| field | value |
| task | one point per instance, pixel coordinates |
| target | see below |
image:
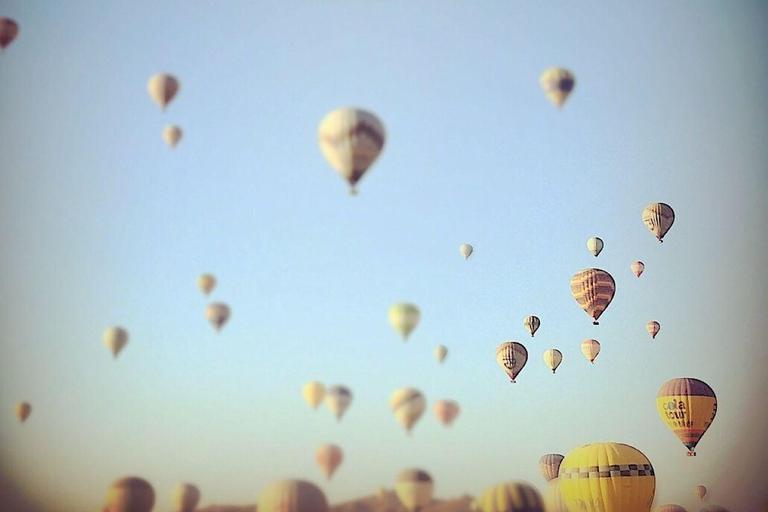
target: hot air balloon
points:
(414, 489)
(162, 89)
(549, 465)
(607, 477)
(338, 399)
(446, 411)
(512, 357)
(115, 339)
(700, 491)
(653, 327)
(313, 393)
(217, 314)
(185, 498)
(292, 496)
(590, 349)
(637, 268)
(595, 246)
(670, 508)
(593, 290)
(404, 318)
(328, 457)
(9, 29)
(557, 84)
(532, 324)
(659, 217)
(440, 352)
(688, 407)
(130, 494)
(408, 405)
(381, 493)
(206, 283)
(172, 135)
(511, 497)
(351, 140)
(553, 498)
(23, 410)
(466, 250)
(553, 358)
(714, 508)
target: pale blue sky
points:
(101, 224)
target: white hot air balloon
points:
(172, 135)
(466, 250)
(595, 246)
(115, 339)
(440, 352)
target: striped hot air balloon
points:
(532, 324)
(590, 348)
(688, 407)
(593, 290)
(510, 497)
(549, 465)
(512, 357)
(658, 217)
(408, 405)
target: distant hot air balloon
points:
(206, 283)
(23, 410)
(328, 457)
(511, 497)
(217, 314)
(466, 250)
(351, 140)
(292, 496)
(700, 491)
(338, 398)
(313, 393)
(512, 357)
(637, 268)
(553, 358)
(446, 411)
(670, 508)
(440, 352)
(595, 246)
(590, 349)
(9, 29)
(688, 407)
(619, 479)
(549, 465)
(163, 88)
(553, 498)
(557, 84)
(593, 290)
(404, 318)
(408, 405)
(130, 494)
(658, 217)
(532, 324)
(172, 135)
(414, 489)
(115, 339)
(653, 327)
(185, 498)
(714, 508)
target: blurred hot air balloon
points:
(549, 465)
(688, 407)
(446, 411)
(408, 405)
(162, 89)
(130, 494)
(532, 324)
(185, 498)
(206, 283)
(381, 493)
(637, 268)
(512, 357)
(715, 508)
(653, 327)
(670, 508)
(172, 135)
(351, 140)
(700, 491)
(404, 318)
(607, 477)
(466, 250)
(590, 349)
(292, 496)
(23, 410)
(511, 497)
(658, 217)
(593, 290)
(553, 358)
(313, 393)
(115, 339)
(9, 29)
(440, 352)
(338, 398)
(414, 489)
(217, 314)
(328, 457)
(557, 84)
(553, 499)
(595, 246)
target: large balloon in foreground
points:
(511, 497)
(607, 477)
(446, 411)
(553, 358)
(466, 250)
(172, 135)
(658, 217)
(23, 410)
(328, 457)
(313, 393)
(557, 84)
(670, 508)
(512, 357)
(595, 246)
(9, 29)
(408, 405)
(549, 465)
(115, 339)
(162, 89)
(590, 348)
(414, 489)
(440, 352)
(637, 268)
(404, 318)
(130, 494)
(351, 140)
(700, 491)
(292, 496)
(653, 327)
(206, 283)
(593, 290)
(532, 324)
(185, 498)
(688, 407)
(217, 314)
(553, 498)
(338, 398)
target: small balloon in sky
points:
(328, 457)
(22, 411)
(558, 83)
(593, 290)
(466, 250)
(404, 318)
(9, 29)
(511, 356)
(172, 135)
(446, 411)
(206, 283)
(553, 358)
(407, 405)
(162, 89)
(338, 399)
(115, 339)
(590, 348)
(653, 327)
(595, 246)
(637, 268)
(313, 393)
(658, 218)
(440, 352)
(217, 314)
(532, 324)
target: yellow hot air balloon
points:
(670, 508)
(313, 393)
(414, 489)
(115, 339)
(217, 314)
(557, 84)
(162, 89)
(130, 494)
(607, 477)
(408, 405)
(446, 411)
(185, 498)
(553, 358)
(511, 497)
(23, 410)
(404, 318)
(328, 457)
(206, 283)
(351, 140)
(338, 398)
(658, 217)
(532, 324)
(9, 29)
(593, 290)
(292, 496)
(590, 349)
(595, 246)
(553, 498)
(549, 465)
(440, 352)
(637, 268)
(700, 491)
(653, 327)
(512, 357)
(466, 250)
(172, 135)
(688, 407)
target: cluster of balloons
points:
(162, 89)
(217, 313)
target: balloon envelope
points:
(700, 491)
(446, 411)
(206, 283)
(440, 352)
(115, 339)
(670, 508)
(292, 496)
(217, 314)
(637, 268)
(414, 489)
(553, 498)
(130, 494)
(185, 498)
(549, 465)
(328, 457)
(590, 348)
(512, 357)
(593, 290)
(408, 405)
(466, 250)
(557, 84)
(595, 246)
(532, 324)
(338, 398)
(172, 135)
(9, 29)
(553, 358)
(404, 318)
(688, 407)
(162, 89)
(658, 218)
(22, 411)
(313, 393)
(511, 497)
(653, 328)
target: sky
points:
(101, 224)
